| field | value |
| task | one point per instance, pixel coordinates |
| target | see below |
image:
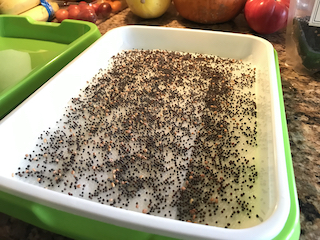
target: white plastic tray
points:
(19, 129)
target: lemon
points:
(148, 8)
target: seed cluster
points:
(159, 132)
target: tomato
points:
(115, 6)
(286, 2)
(73, 6)
(95, 6)
(104, 10)
(61, 14)
(82, 3)
(87, 15)
(73, 13)
(85, 6)
(266, 16)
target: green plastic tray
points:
(32, 52)
(291, 228)
(78, 227)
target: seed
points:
(163, 123)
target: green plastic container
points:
(32, 52)
(81, 219)
(46, 218)
(64, 223)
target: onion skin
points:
(209, 11)
(148, 9)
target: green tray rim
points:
(291, 229)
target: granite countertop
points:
(302, 103)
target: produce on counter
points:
(104, 10)
(87, 15)
(17, 6)
(148, 8)
(73, 11)
(95, 6)
(40, 13)
(266, 16)
(116, 6)
(89, 11)
(209, 11)
(286, 2)
(62, 14)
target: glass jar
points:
(303, 36)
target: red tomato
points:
(85, 6)
(266, 16)
(87, 15)
(61, 15)
(286, 2)
(73, 13)
(104, 10)
(83, 2)
(73, 6)
(95, 6)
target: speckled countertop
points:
(302, 102)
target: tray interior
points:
(59, 91)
